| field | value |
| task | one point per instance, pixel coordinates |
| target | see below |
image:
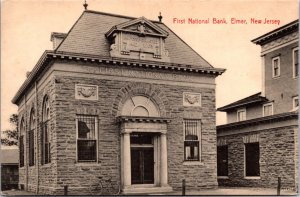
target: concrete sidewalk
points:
(231, 191)
(221, 191)
(16, 193)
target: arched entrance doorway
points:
(143, 146)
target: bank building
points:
(121, 98)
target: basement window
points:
(86, 138)
(252, 160)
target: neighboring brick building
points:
(119, 97)
(260, 141)
(9, 169)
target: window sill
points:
(46, 165)
(252, 177)
(223, 177)
(83, 164)
(267, 115)
(193, 163)
(276, 77)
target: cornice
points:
(143, 119)
(277, 33)
(51, 55)
(256, 121)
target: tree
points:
(11, 135)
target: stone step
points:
(147, 190)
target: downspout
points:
(37, 142)
(25, 149)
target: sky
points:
(26, 26)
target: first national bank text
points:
(226, 21)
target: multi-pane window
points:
(192, 139)
(45, 133)
(268, 109)
(252, 159)
(21, 143)
(276, 67)
(31, 137)
(295, 63)
(86, 138)
(222, 160)
(295, 102)
(241, 115)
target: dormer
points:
(138, 39)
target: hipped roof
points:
(86, 41)
(253, 99)
(87, 36)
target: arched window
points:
(32, 125)
(140, 106)
(45, 132)
(21, 142)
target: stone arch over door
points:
(135, 90)
(141, 111)
(140, 105)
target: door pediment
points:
(131, 124)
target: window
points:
(86, 138)
(252, 160)
(295, 103)
(276, 67)
(241, 115)
(21, 143)
(268, 109)
(222, 160)
(45, 133)
(295, 63)
(31, 137)
(192, 137)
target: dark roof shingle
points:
(87, 36)
(255, 98)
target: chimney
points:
(56, 38)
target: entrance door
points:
(142, 159)
(142, 166)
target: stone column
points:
(163, 160)
(126, 160)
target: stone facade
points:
(64, 170)
(277, 153)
